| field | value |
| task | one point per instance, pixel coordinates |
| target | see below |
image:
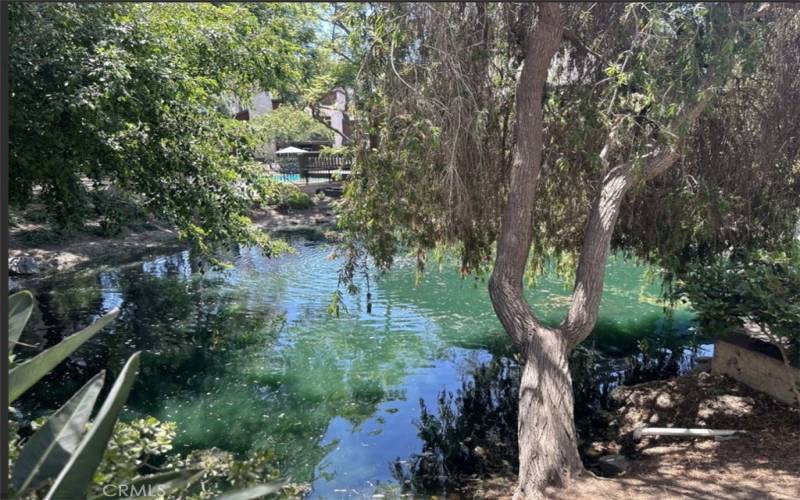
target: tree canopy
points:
(436, 108)
(128, 95)
(522, 133)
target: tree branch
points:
(588, 289)
(316, 116)
(580, 44)
(516, 232)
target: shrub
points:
(284, 196)
(742, 287)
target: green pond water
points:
(248, 358)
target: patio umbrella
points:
(291, 150)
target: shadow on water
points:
(472, 432)
(248, 359)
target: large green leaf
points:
(24, 375)
(20, 306)
(252, 492)
(49, 449)
(76, 477)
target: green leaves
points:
(287, 123)
(20, 306)
(76, 477)
(24, 375)
(252, 492)
(730, 290)
(151, 485)
(49, 449)
(146, 108)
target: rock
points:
(23, 266)
(726, 405)
(619, 394)
(664, 401)
(613, 465)
(597, 449)
(594, 450)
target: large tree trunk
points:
(547, 440)
(548, 452)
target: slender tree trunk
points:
(547, 441)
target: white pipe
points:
(677, 431)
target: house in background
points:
(332, 109)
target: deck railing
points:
(324, 166)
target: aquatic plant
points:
(62, 457)
(470, 433)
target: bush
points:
(300, 201)
(284, 196)
(743, 287)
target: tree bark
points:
(548, 451)
(547, 439)
(596, 245)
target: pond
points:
(249, 358)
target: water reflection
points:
(248, 359)
(472, 432)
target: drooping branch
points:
(516, 232)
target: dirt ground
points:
(47, 251)
(763, 463)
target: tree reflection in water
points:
(472, 433)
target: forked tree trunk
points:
(548, 446)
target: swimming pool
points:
(286, 177)
(298, 178)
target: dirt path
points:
(702, 470)
(763, 463)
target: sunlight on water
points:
(248, 358)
